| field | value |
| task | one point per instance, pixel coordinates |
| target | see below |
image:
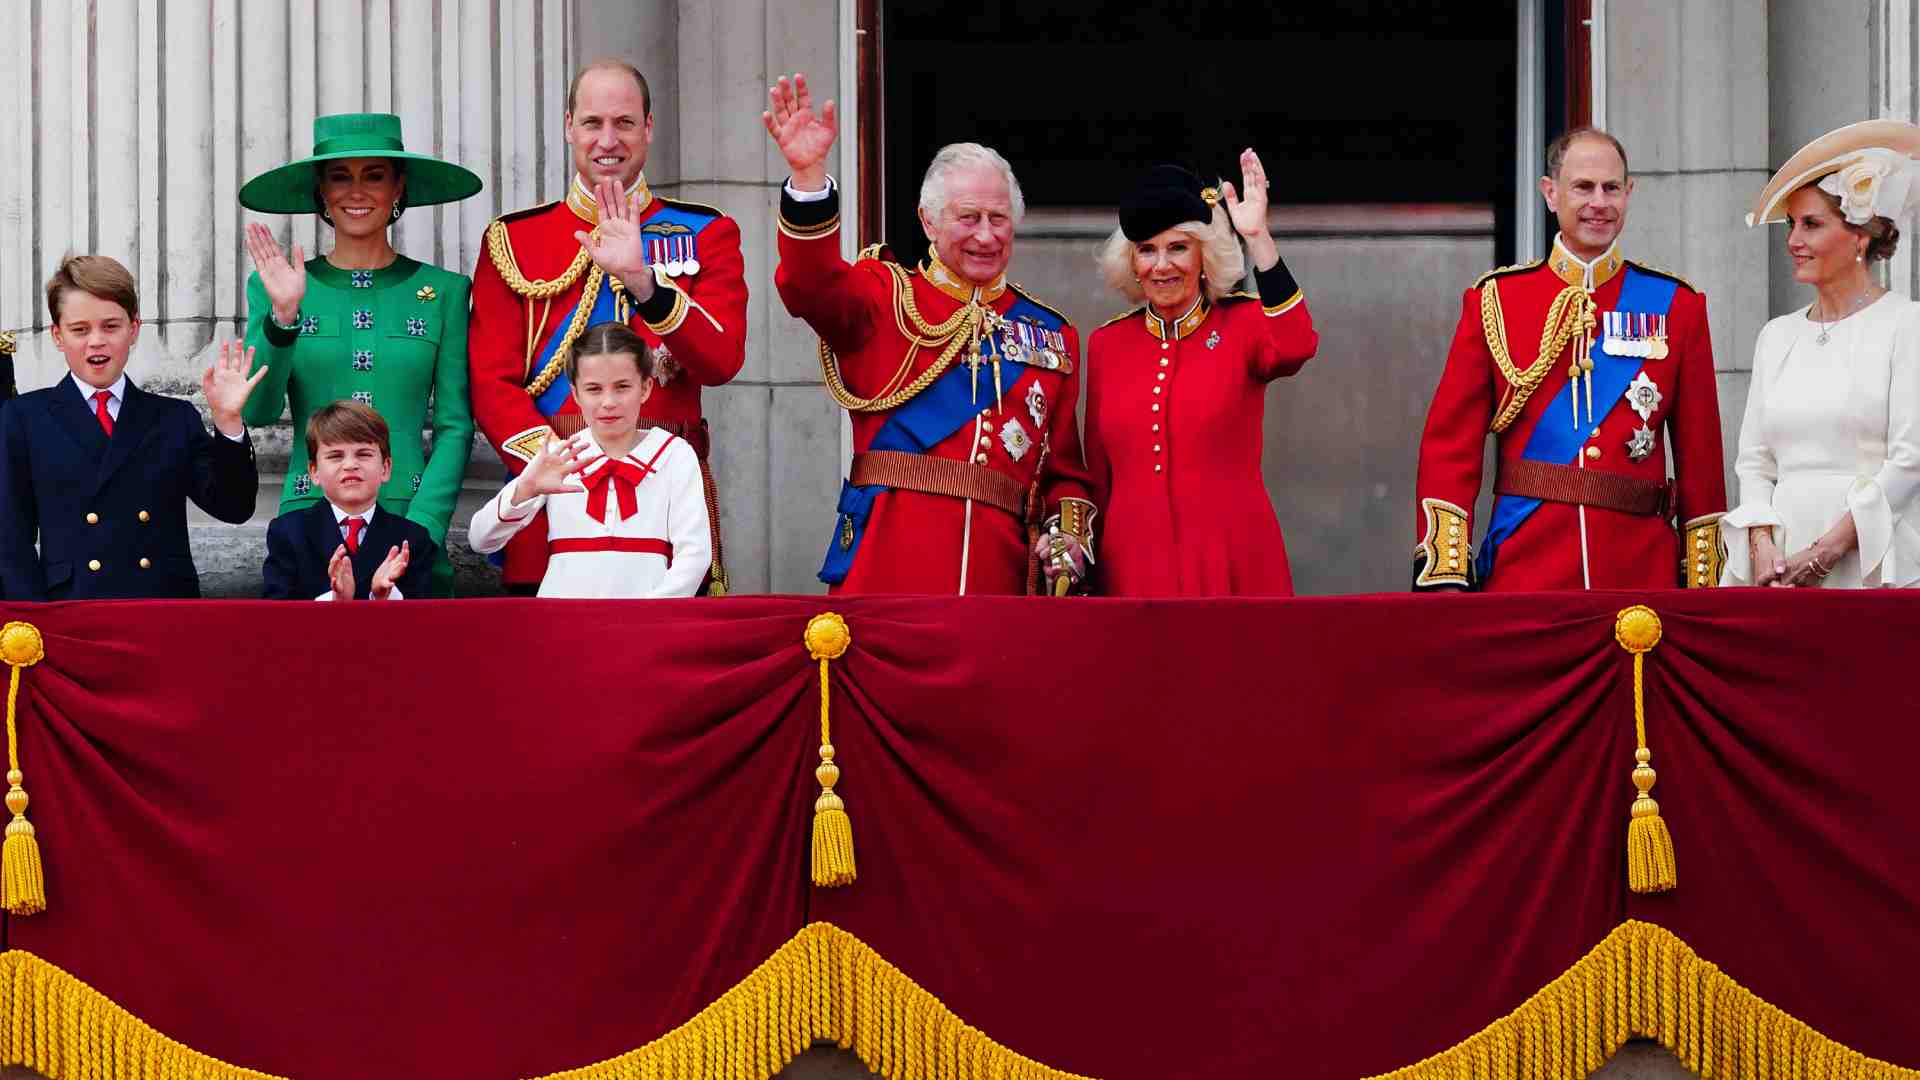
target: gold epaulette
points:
(1668, 274)
(873, 251)
(500, 249)
(1502, 271)
(1122, 317)
(1035, 301)
(6, 344)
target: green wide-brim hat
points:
(289, 189)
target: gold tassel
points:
(827, 638)
(23, 888)
(1650, 862)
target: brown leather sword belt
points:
(1584, 487)
(939, 476)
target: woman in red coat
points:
(1177, 391)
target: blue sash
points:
(1556, 438)
(670, 221)
(925, 421)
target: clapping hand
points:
(340, 573)
(804, 137)
(226, 387)
(392, 569)
(1247, 209)
(285, 279)
(549, 471)
(617, 246)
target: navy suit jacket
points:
(110, 514)
(301, 542)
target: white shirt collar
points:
(340, 516)
(118, 389)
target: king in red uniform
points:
(610, 250)
(1588, 369)
(961, 386)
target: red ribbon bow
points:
(623, 477)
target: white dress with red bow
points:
(636, 528)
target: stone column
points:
(1686, 90)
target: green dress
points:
(389, 338)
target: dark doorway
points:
(1366, 101)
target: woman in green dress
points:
(364, 322)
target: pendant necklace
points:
(1824, 335)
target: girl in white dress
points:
(1829, 460)
(626, 507)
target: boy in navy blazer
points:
(100, 471)
(345, 547)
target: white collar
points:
(340, 516)
(118, 389)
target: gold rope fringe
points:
(23, 887)
(827, 638)
(63, 1029)
(1650, 862)
(825, 985)
(1642, 981)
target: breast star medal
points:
(1037, 405)
(1015, 438)
(1641, 444)
(1643, 396)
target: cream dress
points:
(1830, 429)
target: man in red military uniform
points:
(1588, 369)
(961, 386)
(611, 250)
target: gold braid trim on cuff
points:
(1703, 552)
(500, 248)
(1448, 529)
(1642, 981)
(808, 232)
(825, 985)
(1571, 313)
(961, 329)
(63, 1029)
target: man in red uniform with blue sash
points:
(1588, 369)
(961, 386)
(611, 250)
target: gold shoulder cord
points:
(503, 261)
(961, 329)
(1571, 312)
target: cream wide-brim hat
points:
(1830, 153)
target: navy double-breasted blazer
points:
(110, 514)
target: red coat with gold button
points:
(700, 320)
(1175, 416)
(917, 542)
(1554, 548)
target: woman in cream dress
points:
(1829, 460)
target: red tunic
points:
(917, 542)
(1622, 550)
(1175, 414)
(700, 319)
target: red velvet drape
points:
(1319, 837)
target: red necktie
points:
(354, 525)
(622, 477)
(100, 399)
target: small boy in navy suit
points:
(99, 471)
(345, 547)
